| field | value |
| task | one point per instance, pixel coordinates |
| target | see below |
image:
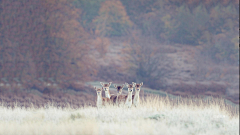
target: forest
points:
(60, 42)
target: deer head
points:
(138, 86)
(98, 90)
(119, 89)
(130, 87)
(106, 86)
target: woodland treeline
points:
(58, 41)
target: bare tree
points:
(147, 63)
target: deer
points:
(106, 89)
(136, 96)
(100, 100)
(115, 99)
(128, 98)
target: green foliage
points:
(222, 49)
(89, 9)
(136, 8)
(112, 20)
(182, 22)
(223, 19)
(151, 24)
(186, 27)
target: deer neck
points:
(128, 101)
(136, 96)
(107, 94)
(129, 97)
(99, 100)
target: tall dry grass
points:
(155, 115)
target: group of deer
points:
(118, 99)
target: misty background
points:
(50, 49)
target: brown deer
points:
(101, 100)
(106, 89)
(115, 98)
(128, 98)
(136, 96)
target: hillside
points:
(192, 73)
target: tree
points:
(188, 27)
(89, 10)
(43, 40)
(72, 49)
(22, 33)
(147, 64)
(112, 19)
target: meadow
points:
(154, 116)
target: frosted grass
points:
(156, 116)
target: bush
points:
(223, 49)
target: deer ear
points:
(101, 83)
(123, 86)
(134, 84)
(115, 85)
(141, 83)
(95, 87)
(109, 83)
(126, 84)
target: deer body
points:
(101, 100)
(115, 99)
(136, 97)
(107, 94)
(128, 98)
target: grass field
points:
(155, 115)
